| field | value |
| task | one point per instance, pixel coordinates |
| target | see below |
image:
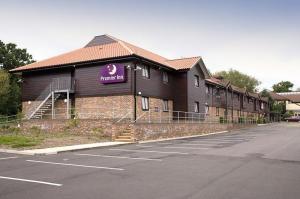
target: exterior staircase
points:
(45, 107)
(125, 136)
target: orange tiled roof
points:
(292, 96)
(183, 63)
(107, 47)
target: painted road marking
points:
(145, 146)
(199, 144)
(75, 165)
(180, 147)
(119, 157)
(8, 158)
(142, 151)
(33, 181)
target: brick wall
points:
(158, 131)
(156, 107)
(104, 107)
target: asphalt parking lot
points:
(261, 162)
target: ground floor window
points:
(165, 105)
(145, 103)
(196, 107)
(206, 109)
(217, 111)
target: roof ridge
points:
(184, 58)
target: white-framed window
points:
(165, 105)
(206, 109)
(262, 106)
(196, 107)
(217, 111)
(207, 90)
(145, 103)
(165, 77)
(146, 72)
(196, 77)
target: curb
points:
(56, 150)
(184, 137)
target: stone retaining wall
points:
(142, 131)
(157, 131)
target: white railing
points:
(149, 116)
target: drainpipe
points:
(226, 109)
(134, 91)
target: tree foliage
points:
(240, 79)
(12, 57)
(283, 86)
(10, 95)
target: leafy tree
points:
(11, 57)
(283, 86)
(240, 79)
(4, 91)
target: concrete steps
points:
(125, 136)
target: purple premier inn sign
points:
(112, 73)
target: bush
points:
(223, 120)
(72, 123)
(36, 131)
(241, 120)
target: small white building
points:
(293, 102)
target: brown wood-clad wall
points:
(88, 84)
(35, 82)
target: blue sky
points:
(257, 37)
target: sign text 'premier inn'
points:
(112, 73)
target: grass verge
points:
(18, 141)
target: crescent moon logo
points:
(112, 69)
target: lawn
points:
(18, 141)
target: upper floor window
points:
(165, 77)
(196, 107)
(145, 103)
(146, 71)
(165, 105)
(197, 82)
(207, 90)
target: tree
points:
(4, 91)
(240, 79)
(12, 57)
(10, 95)
(283, 86)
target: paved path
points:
(262, 162)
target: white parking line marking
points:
(8, 158)
(33, 181)
(180, 147)
(142, 151)
(75, 165)
(119, 157)
(199, 144)
(146, 146)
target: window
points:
(206, 109)
(165, 105)
(196, 107)
(207, 90)
(217, 111)
(165, 77)
(145, 103)
(196, 80)
(146, 72)
(262, 106)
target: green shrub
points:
(72, 123)
(241, 120)
(35, 130)
(223, 120)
